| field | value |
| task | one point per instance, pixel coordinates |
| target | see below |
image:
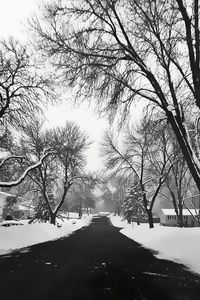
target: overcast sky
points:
(13, 15)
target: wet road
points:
(96, 262)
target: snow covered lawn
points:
(178, 244)
(15, 237)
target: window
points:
(171, 217)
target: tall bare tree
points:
(123, 51)
(70, 143)
(17, 160)
(23, 91)
(23, 87)
(62, 168)
(179, 180)
(41, 181)
(133, 160)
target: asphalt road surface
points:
(96, 262)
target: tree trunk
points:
(185, 147)
(150, 218)
(180, 220)
(80, 211)
(148, 210)
(53, 218)
(180, 216)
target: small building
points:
(168, 217)
(17, 211)
(12, 205)
(6, 200)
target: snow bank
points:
(15, 237)
(178, 244)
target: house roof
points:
(7, 194)
(186, 212)
(20, 207)
(27, 203)
(3, 197)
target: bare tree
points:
(10, 162)
(23, 91)
(123, 51)
(178, 182)
(28, 169)
(134, 161)
(70, 144)
(62, 168)
(23, 87)
(41, 181)
(16, 164)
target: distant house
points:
(17, 211)
(6, 200)
(168, 217)
(11, 205)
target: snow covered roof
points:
(21, 207)
(3, 197)
(4, 194)
(27, 203)
(7, 194)
(186, 212)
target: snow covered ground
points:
(178, 244)
(15, 237)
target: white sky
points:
(12, 14)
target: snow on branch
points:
(87, 178)
(10, 157)
(22, 177)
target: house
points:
(12, 205)
(6, 199)
(168, 217)
(17, 211)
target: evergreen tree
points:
(133, 209)
(41, 211)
